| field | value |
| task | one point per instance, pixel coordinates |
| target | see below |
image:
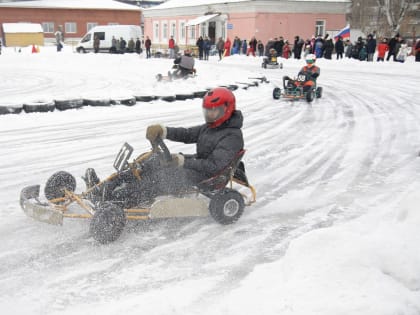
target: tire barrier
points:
(145, 98)
(183, 97)
(128, 101)
(97, 102)
(68, 104)
(42, 106)
(168, 98)
(39, 106)
(200, 94)
(10, 109)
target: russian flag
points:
(344, 33)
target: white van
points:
(105, 34)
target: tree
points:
(394, 12)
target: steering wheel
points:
(159, 144)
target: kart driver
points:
(217, 143)
(185, 65)
(310, 72)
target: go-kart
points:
(217, 196)
(298, 88)
(176, 74)
(271, 63)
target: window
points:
(101, 35)
(320, 28)
(164, 31)
(182, 31)
(172, 31)
(223, 26)
(70, 27)
(48, 27)
(203, 29)
(90, 25)
(191, 32)
(156, 32)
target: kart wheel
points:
(57, 183)
(318, 92)
(276, 93)
(227, 207)
(107, 223)
(310, 95)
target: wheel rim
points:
(231, 208)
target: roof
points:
(72, 4)
(22, 28)
(189, 3)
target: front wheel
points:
(310, 95)
(58, 183)
(276, 93)
(107, 223)
(227, 206)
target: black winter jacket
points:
(216, 147)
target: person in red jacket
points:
(171, 47)
(286, 50)
(228, 44)
(382, 49)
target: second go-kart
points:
(218, 196)
(299, 88)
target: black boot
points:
(90, 178)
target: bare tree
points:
(394, 12)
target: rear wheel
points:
(57, 183)
(276, 93)
(107, 223)
(227, 206)
(318, 92)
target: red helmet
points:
(218, 106)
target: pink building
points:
(186, 20)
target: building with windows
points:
(74, 17)
(186, 20)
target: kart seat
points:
(234, 170)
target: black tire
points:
(107, 223)
(68, 104)
(227, 206)
(276, 93)
(318, 92)
(55, 185)
(310, 95)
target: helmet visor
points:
(213, 114)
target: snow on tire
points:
(57, 183)
(227, 206)
(107, 223)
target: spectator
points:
(171, 48)
(252, 46)
(339, 47)
(138, 46)
(200, 45)
(206, 48)
(220, 47)
(286, 50)
(297, 47)
(113, 49)
(403, 52)
(148, 45)
(392, 48)
(370, 47)
(260, 48)
(96, 43)
(382, 49)
(244, 46)
(328, 47)
(278, 45)
(236, 45)
(59, 39)
(348, 48)
(130, 45)
(228, 45)
(123, 45)
(417, 52)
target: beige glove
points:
(177, 161)
(155, 131)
